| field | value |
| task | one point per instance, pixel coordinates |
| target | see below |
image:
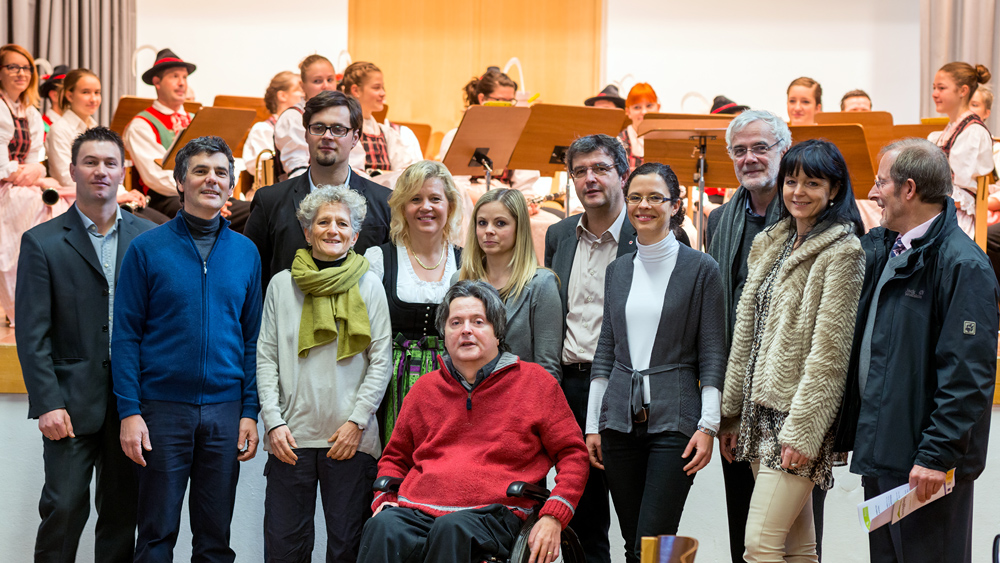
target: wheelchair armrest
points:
(528, 490)
(387, 484)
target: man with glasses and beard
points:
(333, 126)
(757, 140)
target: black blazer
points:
(560, 250)
(275, 230)
(63, 338)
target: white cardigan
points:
(317, 394)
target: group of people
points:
(372, 340)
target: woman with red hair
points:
(640, 101)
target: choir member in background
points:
(292, 158)
(805, 100)
(640, 101)
(856, 100)
(284, 91)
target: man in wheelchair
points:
(464, 433)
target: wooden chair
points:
(668, 549)
(422, 132)
(434, 145)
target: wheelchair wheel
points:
(570, 550)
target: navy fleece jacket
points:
(185, 329)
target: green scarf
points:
(333, 305)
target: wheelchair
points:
(570, 550)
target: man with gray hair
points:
(183, 360)
(921, 377)
(756, 142)
(464, 434)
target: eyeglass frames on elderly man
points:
(760, 149)
(318, 130)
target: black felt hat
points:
(165, 59)
(52, 81)
(722, 104)
(609, 93)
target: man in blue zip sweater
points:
(183, 354)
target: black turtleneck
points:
(203, 231)
(322, 264)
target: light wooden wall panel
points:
(429, 49)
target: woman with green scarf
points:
(323, 363)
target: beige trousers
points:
(780, 522)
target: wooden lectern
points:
(230, 124)
(851, 141)
(551, 129)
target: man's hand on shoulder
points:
(135, 438)
(926, 481)
(247, 444)
(56, 425)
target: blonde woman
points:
(416, 268)
(499, 251)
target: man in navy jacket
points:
(184, 360)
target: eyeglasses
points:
(580, 172)
(653, 199)
(14, 69)
(760, 149)
(879, 184)
(318, 129)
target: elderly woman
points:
(783, 387)
(648, 424)
(322, 367)
(416, 269)
(469, 429)
(499, 251)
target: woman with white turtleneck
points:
(655, 383)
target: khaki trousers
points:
(780, 522)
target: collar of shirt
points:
(615, 230)
(76, 123)
(92, 227)
(312, 186)
(750, 207)
(482, 374)
(915, 233)
(162, 108)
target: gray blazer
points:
(690, 350)
(535, 322)
(62, 319)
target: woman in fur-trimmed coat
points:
(791, 345)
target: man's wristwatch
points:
(707, 430)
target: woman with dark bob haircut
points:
(783, 387)
(653, 409)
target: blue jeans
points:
(647, 482)
(196, 442)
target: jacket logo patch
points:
(914, 293)
(969, 327)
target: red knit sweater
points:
(457, 449)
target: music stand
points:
(129, 106)
(551, 129)
(693, 146)
(485, 140)
(851, 141)
(229, 123)
(877, 125)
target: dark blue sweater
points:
(186, 329)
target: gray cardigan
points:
(690, 349)
(535, 322)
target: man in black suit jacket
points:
(333, 126)
(66, 278)
(579, 250)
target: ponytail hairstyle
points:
(965, 74)
(30, 96)
(282, 82)
(486, 84)
(808, 83)
(355, 75)
(69, 85)
(309, 61)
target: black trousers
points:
(940, 531)
(398, 535)
(592, 518)
(65, 501)
(290, 503)
(738, 477)
(647, 482)
(196, 443)
(171, 205)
